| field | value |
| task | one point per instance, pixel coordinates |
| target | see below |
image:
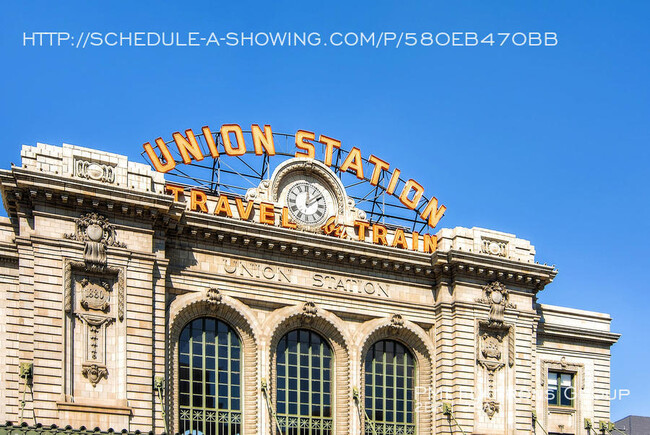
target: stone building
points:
(123, 308)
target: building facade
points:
(633, 425)
(126, 305)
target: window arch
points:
(389, 389)
(209, 379)
(304, 384)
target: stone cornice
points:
(26, 186)
(546, 330)
(23, 185)
(289, 242)
(8, 252)
(453, 265)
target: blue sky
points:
(548, 143)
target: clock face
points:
(308, 202)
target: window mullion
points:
(228, 382)
(393, 364)
(406, 389)
(191, 369)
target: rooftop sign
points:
(232, 141)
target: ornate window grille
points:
(389, 389)
(209, 379)
(304, 380)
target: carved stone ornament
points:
(97, 233)
(95, 296)
(309, 310)
(94, 171)
(490, 407)
(95, 336)
(491, 347)
(490, 356)
(396, 322)
(73, 283)
(214, 296)
(94, 372)
(494, 247)
(496, 295)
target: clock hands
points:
(309, 203)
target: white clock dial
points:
(308, 203)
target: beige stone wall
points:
(469, 349)
(576, 341)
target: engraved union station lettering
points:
(248, 269)
(350, 285)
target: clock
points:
(310, 192)
(308, 202)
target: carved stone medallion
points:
(97, 233)
(94, 372)
(95, 295)
(490, 407)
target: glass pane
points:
(566, 396)
(302, 381)
(210, 388)
(566, 389)
(389, 388)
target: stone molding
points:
(190, 306)
(563, 365)
(94, 407)
(455, 264)
(72, 267)
(573, 334)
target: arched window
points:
(304, 384)
(209, 379)
(389, 378)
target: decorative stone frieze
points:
(495, 247)
(94, 171)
